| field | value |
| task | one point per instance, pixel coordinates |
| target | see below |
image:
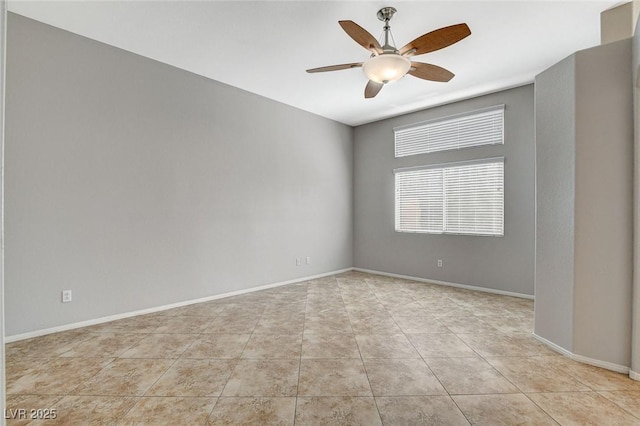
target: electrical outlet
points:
(439, 263)
(66, 296)
(297, 261)
(308, 260)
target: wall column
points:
(634, 373)
(3, 43)
(584, 198)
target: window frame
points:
(442, 166)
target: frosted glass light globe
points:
(386, 67)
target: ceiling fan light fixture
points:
(386, 67)
(389, 63)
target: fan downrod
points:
(386, 13)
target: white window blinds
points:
(454, 198)
(484, 127)
(419, 201)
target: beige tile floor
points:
(345, 350)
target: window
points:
(482, 127)
(454, 198)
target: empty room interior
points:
(310, 212)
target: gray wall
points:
(635, 73)
(604, 203)
(3, 39)
(500, 263)
(555, 189)
(136, 184)
(584, 156)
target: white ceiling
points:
(264, 47)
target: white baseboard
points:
(448, 284)
(66, 327)
(553, 346)
(634, 375)
(585, 360)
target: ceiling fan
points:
(387, 63)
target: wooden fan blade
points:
(372, 89)
(361, 36)
(436, 40)
(336, 67)
(430, 72)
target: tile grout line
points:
(520, 391)
(295, 406)
(373, 396)
(200, 335)
(434, 374)
(237, 361)
(610, 400)
(429, 367)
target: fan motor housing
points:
(386, 13)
